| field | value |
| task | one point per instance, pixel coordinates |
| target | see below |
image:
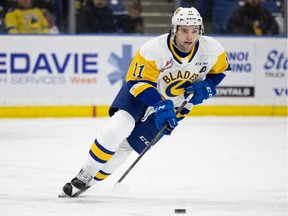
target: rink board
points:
(102, 111)
(67, 76)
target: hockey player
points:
(162, 74)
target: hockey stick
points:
(155, 139)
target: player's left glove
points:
(164, 114)
(202, 91)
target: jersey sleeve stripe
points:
(133, 82)
(139, 87)
(221, 64)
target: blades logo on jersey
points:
(177, 88)
(187, 75)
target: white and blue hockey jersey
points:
(157, 65)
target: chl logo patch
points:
(167, 65)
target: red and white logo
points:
(167, 65)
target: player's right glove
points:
(202, 91)
(164, 113)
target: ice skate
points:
(77, 186)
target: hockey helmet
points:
(186, 16)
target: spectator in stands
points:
(252, 19)
(132, 22)
(25, 19)
(95, 17)
(48, 9)
(117, 7)
(51, 19)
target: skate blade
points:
(63, 195)
(80, 192)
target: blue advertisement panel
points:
(89, 70)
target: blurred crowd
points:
(242, 17)
(52, 16)
(246, 17)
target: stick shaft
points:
(155, 139)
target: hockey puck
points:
(180, 211)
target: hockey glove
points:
(164, 114)
(202, 91)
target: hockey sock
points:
(111, 136)
(120, 156)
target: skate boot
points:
(78, 185)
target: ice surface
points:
(210, 166)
